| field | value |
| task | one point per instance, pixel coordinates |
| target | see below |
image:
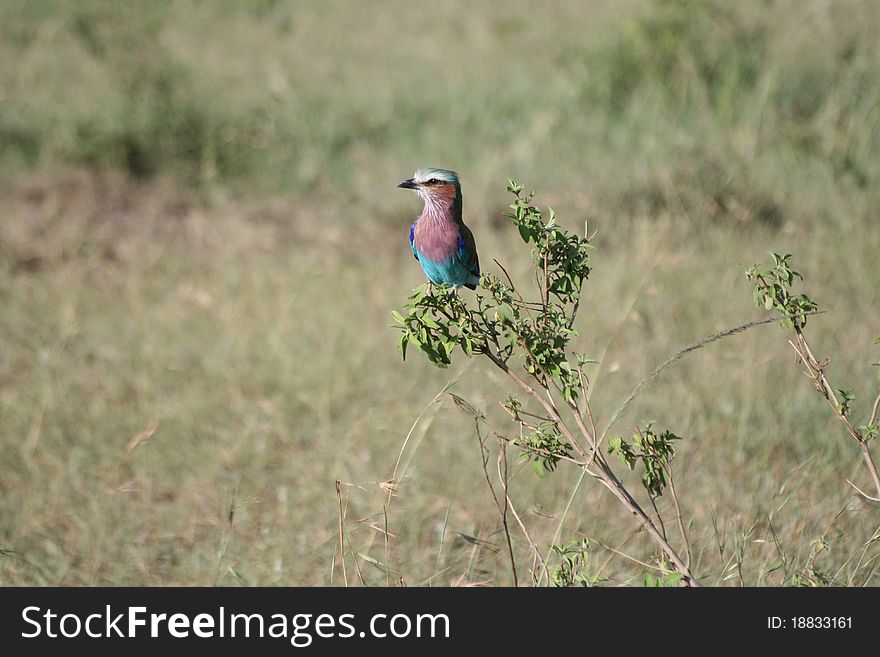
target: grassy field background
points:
(201, 241)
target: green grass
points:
(200, 229)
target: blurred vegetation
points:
(200, 229)
(304, 97)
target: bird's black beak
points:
(409, 184)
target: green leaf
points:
(504, 313)
(672, 579)
(402, 342)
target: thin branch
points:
(525, 532)
(816, 372)
(605, 474)
(644, 564)
(586, 401)
(874, 410)
(863, 493)
(576, 411)
(699, 344)
(535, 415)
(540, 450)
(596, 444)
(502, 508)
(660, 521)
(684, 538)
(525, 303)
(612, 483)
(502, 456)
(550, 408)
(505, 484)
(546, 293)
(579, 421)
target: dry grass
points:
(258, 391)
(187, 369)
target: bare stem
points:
(619, 553)
(525, 532)
(684, 538)
(603, 473)
(874, 410)
(502, 508)
(548, 405)
(816, 372)
(505, 481)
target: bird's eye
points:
(433, 181)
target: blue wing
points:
(412, 240)
(467, 250)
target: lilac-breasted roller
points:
(440, 241)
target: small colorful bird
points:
(440, 241)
